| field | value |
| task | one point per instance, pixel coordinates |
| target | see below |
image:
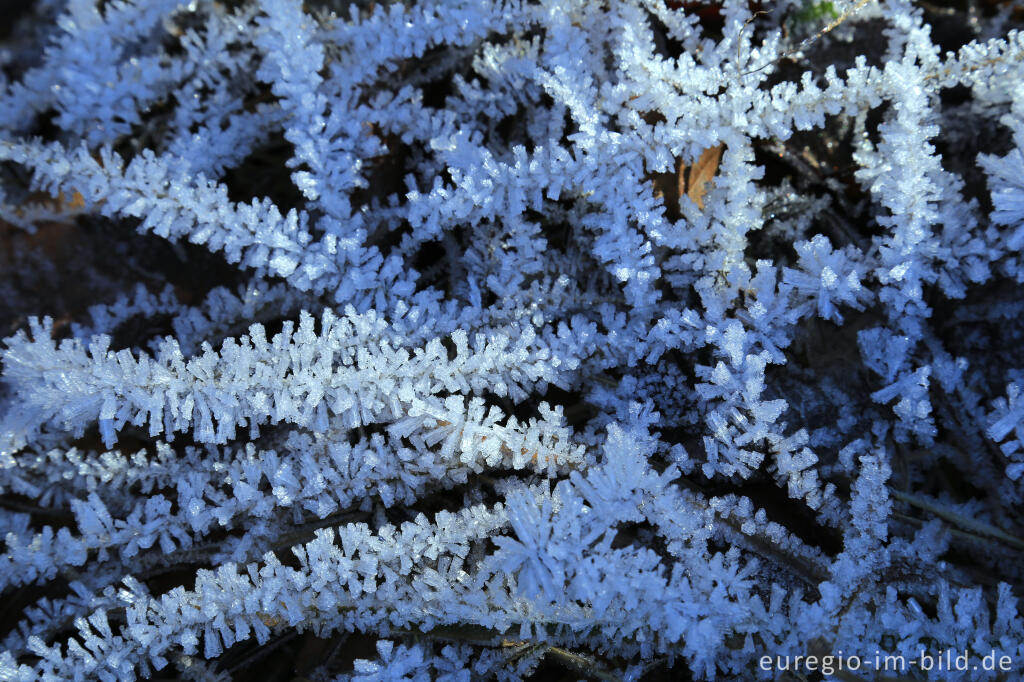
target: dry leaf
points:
(700, 174)
(690, 181)
(667, 187)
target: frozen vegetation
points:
(482, 339)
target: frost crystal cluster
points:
(481, 339)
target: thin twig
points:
(971, 525)
(582, 663)
(807, 42)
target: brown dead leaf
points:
(667, 187)
(76, 203)
(51, 235)
(700, 174)
(270, 621)
(58, 205)
(689, 181)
